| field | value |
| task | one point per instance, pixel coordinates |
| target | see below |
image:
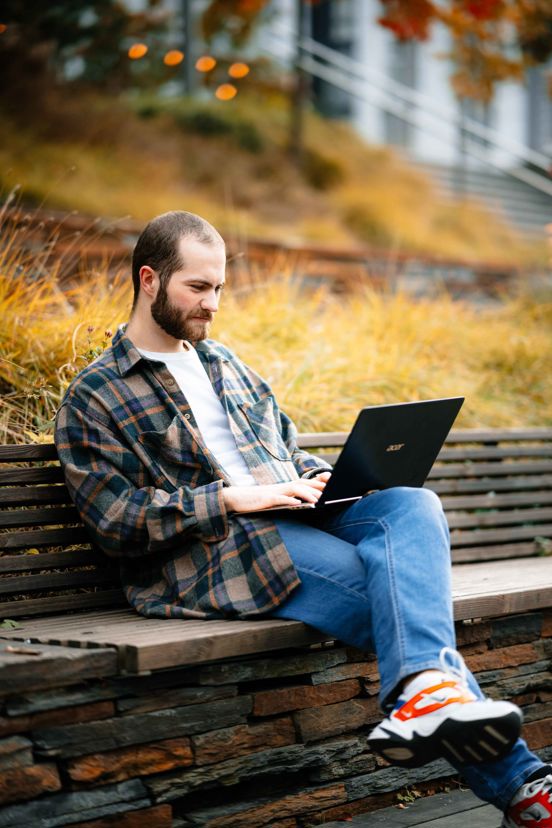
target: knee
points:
(420, 502)
(418, 498)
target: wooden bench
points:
(496, 487)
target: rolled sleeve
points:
(210, 511)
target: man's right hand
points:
(257, 498)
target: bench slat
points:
(46, 474)
(44, 451)
(61, 580)
(61, 603)
(520, 516)
(39, 517)
(501, 469)
(502, 551)
(467, 435)
(492, 453)
(496, 501)
(29, 495)
(46, 537)
(497, 485)
(460, 537)
(498, 435)
(51, 560)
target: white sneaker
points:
(437, 715)
(531, 807)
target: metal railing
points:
(413, 107)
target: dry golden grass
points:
(140, 167)
(325, 356)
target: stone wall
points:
(277, 740)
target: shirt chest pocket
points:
(263, 422)
(173, 451)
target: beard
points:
(175, 323)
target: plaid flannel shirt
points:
(150, 491)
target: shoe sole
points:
(460, 742)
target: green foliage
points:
(543, 546)
(49, 43)
(8, 624)
(408, 795)
(207, 120)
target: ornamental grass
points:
(325, 355)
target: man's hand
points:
(256, 498)
(324, 476)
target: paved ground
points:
(458, 809)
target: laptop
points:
(389, 445)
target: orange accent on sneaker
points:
(409, 711)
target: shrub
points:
(321, 172)
(210, 123)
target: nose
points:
(210, 302)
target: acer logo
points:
(394, 447)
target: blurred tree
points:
(235, 18)
(45, 44)
(492, 40)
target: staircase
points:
(523, 196)
(520, 204)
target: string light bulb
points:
(173, 58)
(206, 63)
(137, 51)
(238, 70)
(226, 91)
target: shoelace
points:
(452, 662)
(538, 786)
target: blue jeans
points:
(376, 575)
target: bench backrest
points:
(496, 487)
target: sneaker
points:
(437, 715)
(531, 807)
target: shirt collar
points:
(124, 352)
(127, 355)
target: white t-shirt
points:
(209, 413)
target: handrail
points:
(352, 86)
(424, 102)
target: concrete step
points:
(522, 205)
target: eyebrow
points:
(197, 280)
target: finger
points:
(325, 476)
(314, 483)
(295, 501)
(310, 494)
(284, 500)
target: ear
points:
(149, 281)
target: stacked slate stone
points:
(277, 740)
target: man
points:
(172, 449)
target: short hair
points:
(158, 244)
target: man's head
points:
(178, 272)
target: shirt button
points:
(187, 416)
